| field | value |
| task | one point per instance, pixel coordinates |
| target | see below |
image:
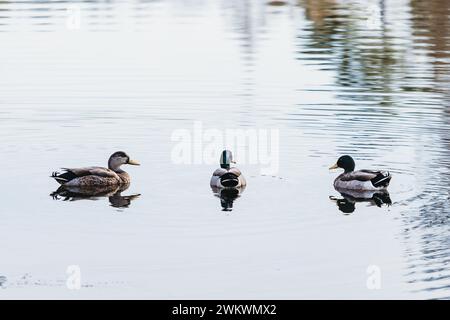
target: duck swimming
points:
(227, 176)
(92, 177)
(360, 180)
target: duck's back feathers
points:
(86, 176)
(95, 171)
(230, 178)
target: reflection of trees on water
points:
(341, 40)
(372, 61)
(428, 261)
(380, 61)
(368, 68)
(431, 22)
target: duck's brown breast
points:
(124, 177)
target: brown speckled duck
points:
(92, 177)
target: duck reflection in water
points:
(347, 204)
(113, 193)
(227, 196)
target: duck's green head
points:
(119, 158)
(226, 159)
(345, 162)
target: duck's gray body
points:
(227, 178)
(363, 180)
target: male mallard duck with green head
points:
(227, 176)
(360, 180)
(92, 177)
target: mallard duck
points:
(92, 177)
(227, 176)
(360, 180)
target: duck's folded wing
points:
(91, 171)
(219, 172)
(378, 179)
(235, 171)
(361, 175)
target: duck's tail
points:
(382, 179)
(229, 180)
(62, 178)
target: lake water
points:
(82, 79)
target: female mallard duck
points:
(361, 180)
(226, 176)
(91, 177)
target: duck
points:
(97, 177)
(227, 176)
(360, 180)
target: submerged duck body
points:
(93, 177)
(227, 176)
(360, 180)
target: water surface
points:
(334, 77)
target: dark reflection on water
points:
(347, 204)
(227, 196)
(114, 195)
(340, 41)
(3, 281)
(373, 81)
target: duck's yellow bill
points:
(134, 163)
(334, 166)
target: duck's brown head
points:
(120, 158)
